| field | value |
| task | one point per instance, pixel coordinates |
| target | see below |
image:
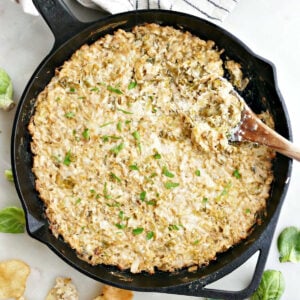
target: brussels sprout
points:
(271, 286)
(288, 244)
(6, 91)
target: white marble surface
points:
(270, 28)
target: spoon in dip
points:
(252, 129)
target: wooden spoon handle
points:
(254, 130)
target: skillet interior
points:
(261, 94)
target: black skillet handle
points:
(198, 287)
(60, 20)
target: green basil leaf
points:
(288, 244)
(271, 286)
(12, 220)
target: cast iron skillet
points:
(261, 94)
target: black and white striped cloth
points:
(212, 10)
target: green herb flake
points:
(95, 89)
(67, 160)
(78, 201)
(125, 111)
(119, 126)
(170, 185)
(105, 138)
(149, 235)
(86, 133)
(9, 175)
(248, 211)
(157, 156)
(134, 167)
(115, 177)
(173, 227)
(224, 191)
(127, 122)
(198, 173)
(152, 175)
(12, 220)
(120, 226)
(69, 115)
(151, 202)
(236, 174)
(116, 150)
(121, 215)
(114, 90)
(136, 135)
(72, 90)
(196, 242)
(137, 231)
(92, 191)
(106, 124)
(132, 85)
(204, 200)
(143, 195)
(105, 192)
(167, 173)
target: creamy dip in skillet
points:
(131, 155)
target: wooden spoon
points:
(252, 129)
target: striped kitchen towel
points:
(212, 10)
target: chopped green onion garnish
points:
(151, 202)
(67, 159)
(167, 173)
(137, 230)
(150, 235)
(134, 167)
(92, 191)
(152, 175)
(173, 227)
(114, 90)
(119, 126)
(86, 133)
(117, 148)
(106, 124)
(127, 122)
(125, 111)
(196, 242)
(136, 135)
(121, 214)
(70, 115)
(197, 173)
(157, 156)
(72, 90)
(236, 174)
(78, 201)
(205, 200)
(247, 210)
(114, 176)
(169, 185)
(105, 193)
(95, 89)
(120, 226)
(132, 85)
(143, 195)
